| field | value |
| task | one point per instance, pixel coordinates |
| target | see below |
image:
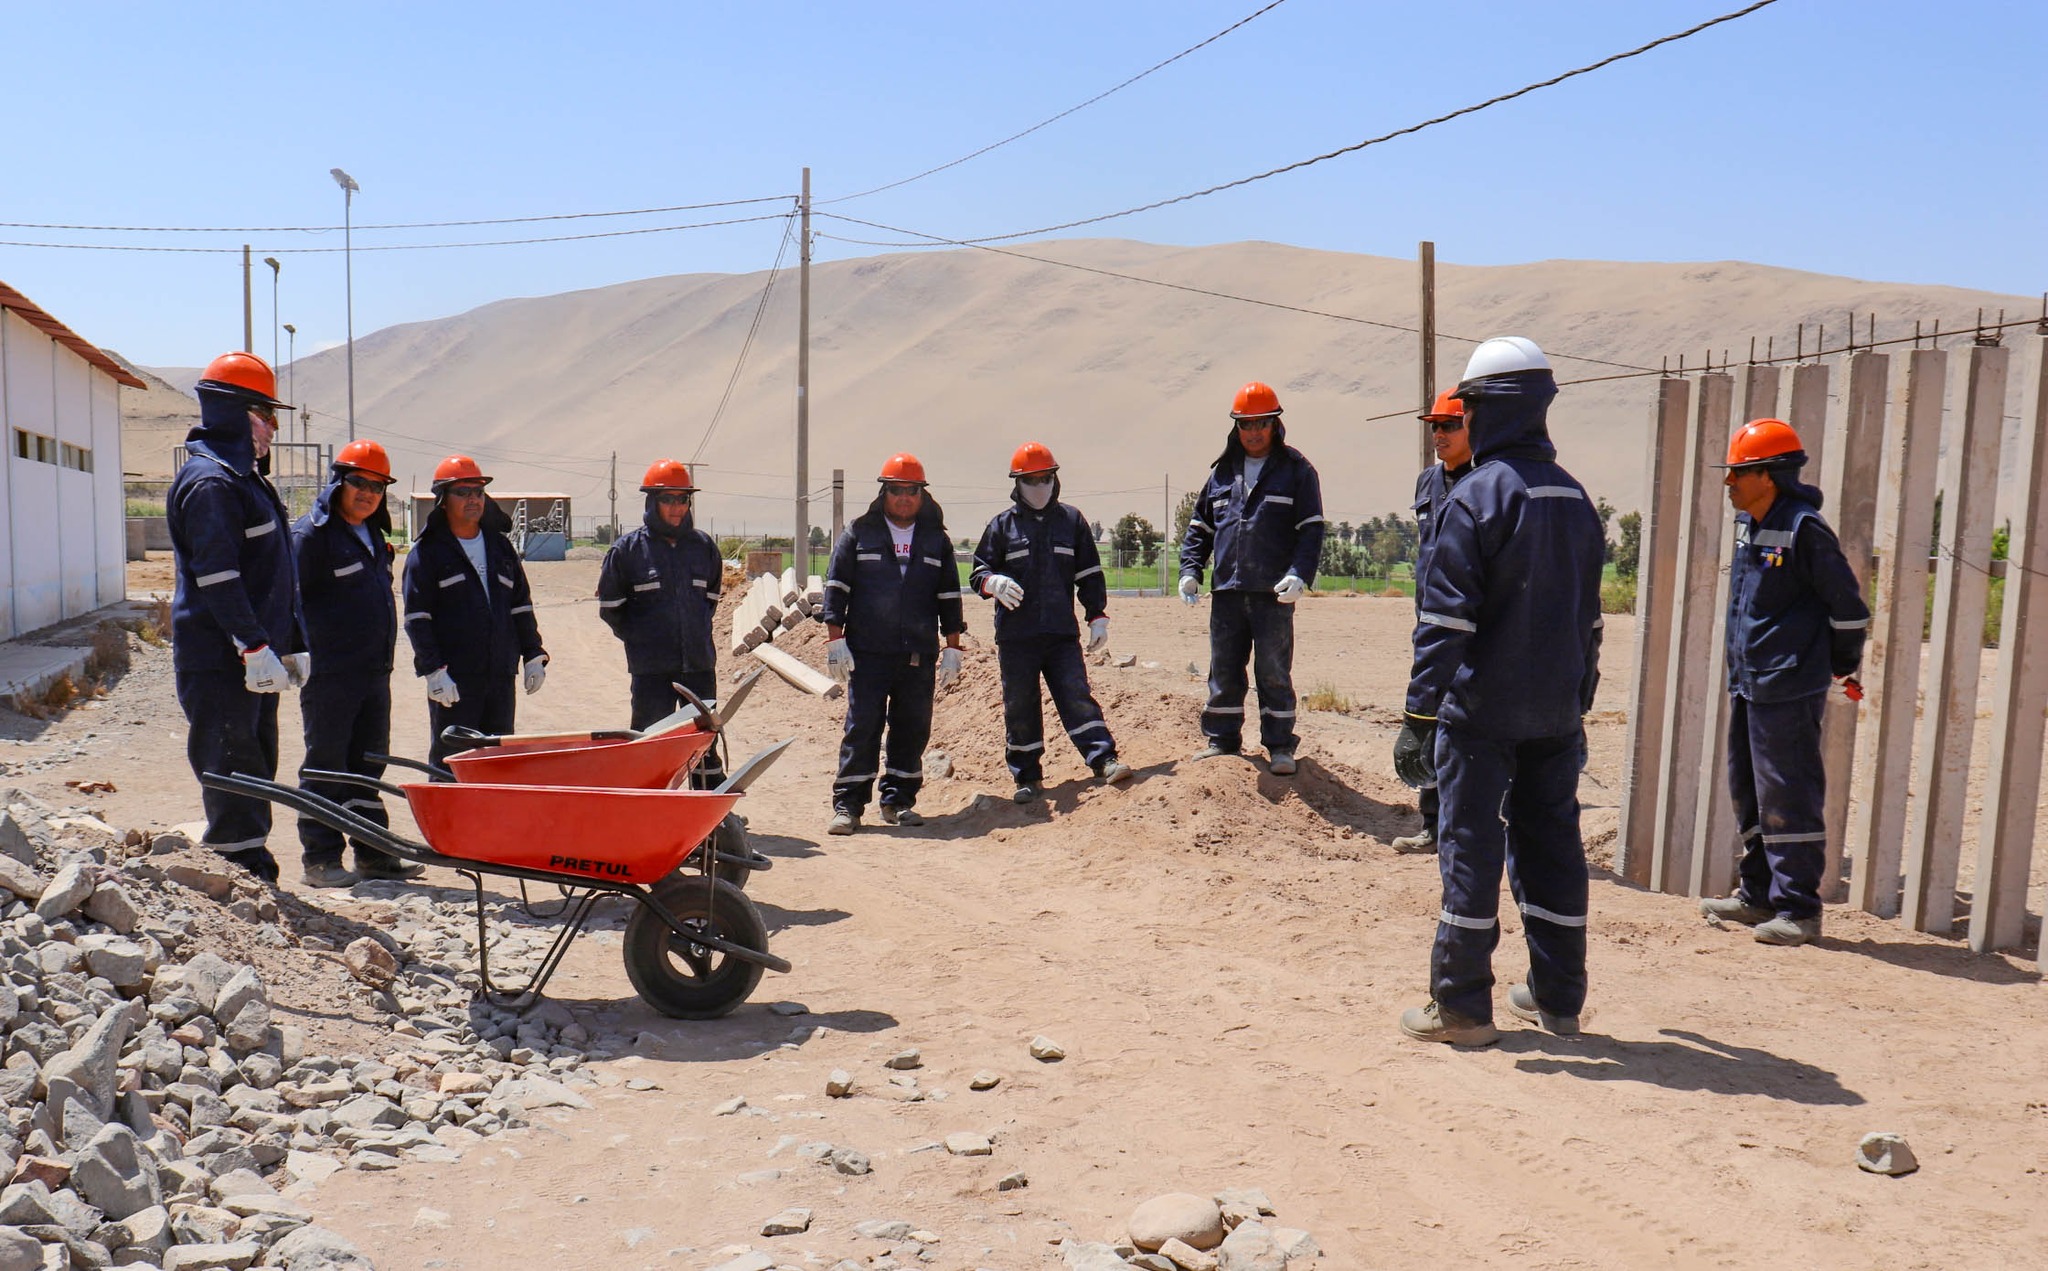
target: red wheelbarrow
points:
(695, 945)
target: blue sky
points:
(1873, 138)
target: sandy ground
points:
(1223, 955)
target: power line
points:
(401, 247)
(1063, 114)
(939, 241)
(325, 229)
(760, 311)
(1373, 141)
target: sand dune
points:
(959, 355)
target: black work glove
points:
(1415, 752)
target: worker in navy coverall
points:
(893, 588)
(236, 639)
(1796, 618)
(469, 611)
(1448, 437)
(1034, 558)
(1507, 647)
(657, 591)
(344, 564)
(1259, 519)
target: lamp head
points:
(272, 262)
(289, 329)
(345, 181)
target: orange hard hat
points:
(1764, 443)
(666, 474)
(246, 372)
(1445, 407)
(457, 468)
(904, 468)
(1255, 400)
(1032, 456)
(366, 456)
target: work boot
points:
(1432, 1023)
(1422, 844)
(1024, 793)
(843, 821)
(1280, 763)
(1522, 1005)
(1115, 772)
(1788, 931)
(1215, 750)
(1735, 909)
(258, 861)
(329, 874)
(893, 815)
(390, 869)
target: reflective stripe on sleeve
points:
(1309, 521)
(419, 617)
(452, 580)
(1288, 499)
(504, 581)
(611, 604)
(1446, 620)
(346, 570)
(653, 586)
(208, 580)
(867, 556)
(1854, 624)
(522, 609)
(834, 582)
(258, 531)
(1092, 569)
(949, 595)
(1555, 492)
(1018, 554)
(700, 582)
(1062, 551)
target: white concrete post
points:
(1962, 579)
(1663, 514)
(1852, 511)
(2005, 839)
(1891, 661)
(1696, 628)
(1716, 837)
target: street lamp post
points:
(292, 374)
(349, 190)
(275, 270)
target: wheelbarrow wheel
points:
(685, 980)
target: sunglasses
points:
(465, 492)
(671, 499)
(368, 485)
(1247, 425)
(264, 413)
(1036, 478)
(1446, 425)
(895, 490)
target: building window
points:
(37, 448)
(78, 458)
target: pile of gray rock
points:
(155, 1112)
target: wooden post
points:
(1696, 629)
(2005, 838)
(1852, 511)
(1716, 837)
(1962, 580)
(1656, 579)
(1891, 661)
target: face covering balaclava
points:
(1035, 496)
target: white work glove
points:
(441, 690)
(1289, 589)
(298, 668)
(535, 674)
(263, 672)
(1190, 590)
(1004, 590)
(1098, 633)
(839, 660)
(949, 667)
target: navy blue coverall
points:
(481, 629)
(1255, 535)
(892, 618)
(351, 622)
(1051, 554)
(1432, 490)
(1796, 619)
(1507, 648)
(237, 590)
(657, 590)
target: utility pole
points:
(838, 503)
(800, 544)
(615, 496)
(1427, 259)
(1165, 527)
(248, 314)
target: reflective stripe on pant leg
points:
(1472, 783)
(1273, 668)
(1066, 678)
(1753, 868)
(1230, 648)
(1023, 718)
(860, 749)
(227, 736)
(1791, 786)
(910, 729)
(1547, 868)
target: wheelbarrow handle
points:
(325, 811)
(471, 739)
(352, 779)
(414, 765)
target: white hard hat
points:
(1504, 354)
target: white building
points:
(62, 507)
